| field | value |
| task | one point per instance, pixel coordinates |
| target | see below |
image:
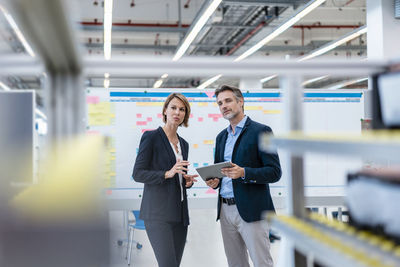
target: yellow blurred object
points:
(70, 187)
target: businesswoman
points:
(161, 164)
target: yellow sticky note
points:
(195, 145)
(253, 108)
(99, 119)
(202, 104)
(272, 111)
(208, 142)
(157, 104)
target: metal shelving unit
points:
(299, 230)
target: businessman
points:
(244, 191)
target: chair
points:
(139, 224)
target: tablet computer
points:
(213, 171)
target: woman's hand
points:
(190, 179)
(179, 167)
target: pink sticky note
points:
(138, 115)
(141, 123)
(91, 99)
(211, 191)
(215, 119)
(200, 118)
(210, 94)
(145, 130)
(159, 115)
(92, 132)
(149, 119)
(191, 115)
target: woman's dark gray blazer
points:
(161, 197)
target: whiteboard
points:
(124, 115)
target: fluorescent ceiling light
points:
(158, 83)
(209, 81)
(346, 83)
(165, 75)
(107, 24)
(313, 80)
(41, 114)
(286, 25)
(266, 79)
(196, 29)
(331, 45)
(5, 87)
(17, 31)
(106, 83)
(106, 75)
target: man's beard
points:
(230, 115)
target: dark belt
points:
(229, 201)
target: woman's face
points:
(175, 112)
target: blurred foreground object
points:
(60, 221)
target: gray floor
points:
(204, 243)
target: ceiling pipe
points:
(250, 34)
(318, 26)
(166, 25)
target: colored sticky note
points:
(159, 115)
(205, 164)
(211, 191)
(145, 130)
(138, 115)
(202, 104)
(149, 119)
(154, 104)
(191, 115)
(253, 108)
(141, 123)
(101, 107)
(200, 118)
(99, 119)
(210, 94)
(208, 142)
(195, 165)
(195, 145)
(215, 119)
(90, 99)
(272, 111)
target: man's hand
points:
(213, 182)
(190, 179)
(233, 172)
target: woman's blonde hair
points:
(185, 103)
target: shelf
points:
(333, 243)
(373, 145)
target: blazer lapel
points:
(168, 147)
(248, 121)
(222, 145)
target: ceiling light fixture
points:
(41, 114)
(17, 31)
(193, 31)
(158, 83)
(5, 87)
(165, 75)
(107, 24)
(209, 81)
(313, 80)
(266, 79)
(332, 45)
(283, 27)
(346, 83)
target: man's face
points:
(228, 105)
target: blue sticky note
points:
(195, 165)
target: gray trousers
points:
(168, 241)
(240, 237)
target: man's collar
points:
(240, 124)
